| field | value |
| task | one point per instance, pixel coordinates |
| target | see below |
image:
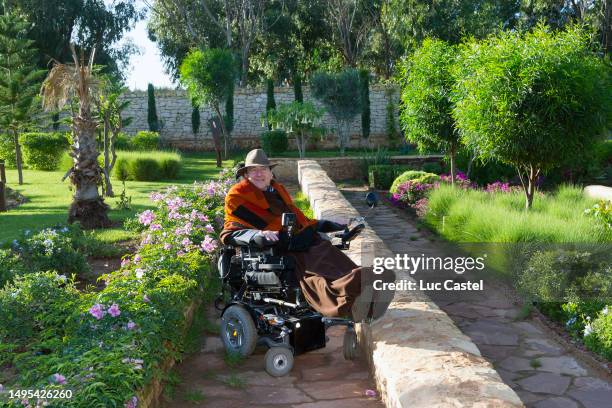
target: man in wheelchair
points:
(286, 282)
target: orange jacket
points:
(247, 207)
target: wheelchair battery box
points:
(307, 333)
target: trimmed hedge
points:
(145, 140)
(7, 150)
(147, 166)
(274, 141)
(381, 176)
(416, 175)
(43, 151)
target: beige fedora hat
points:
(255, 158)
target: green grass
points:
(234, 381)
(475, 216)
(49, 198)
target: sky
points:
(146, 67)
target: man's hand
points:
(271, 236)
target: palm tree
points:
(63, 83)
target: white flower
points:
(62, 278)
(605, 311)
(588, 329)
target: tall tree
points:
(19, 80)
(426, 113)
(64, 83)
(208, 76)
(351, 22)
(55, 23)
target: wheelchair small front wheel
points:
(349, 344)
(238, 332)
(279, 361)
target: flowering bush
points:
(461, 180)
(106, 345)
(60, 249)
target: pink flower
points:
(209, 228)
(97, 311)
(146, 299)
(131, 325)
(137, 258)
(180, 253)
(186, 242)
(209, 244)
(146, 217)
(155, 227)
(114, 310)
(155, 197)
(125, 262)
(370, 393)
(202, 218)
(167, 246)
(58, 378)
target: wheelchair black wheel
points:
(279, 361)
(349, 344)
(238, 332)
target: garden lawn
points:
(49, 198)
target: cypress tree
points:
(270, 102)
(229, 109)
(365, 106)
(297, 87)
(195, 117)
(152, 110)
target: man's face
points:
(260, 176)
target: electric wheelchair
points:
(261, 304)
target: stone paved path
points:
(525, 354)
(319, 379)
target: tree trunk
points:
(108, 191)
(453, 165)
(87, 207)
(18, 159)
(470, 165)
(531, 186)
(212, 123)
(224, 132)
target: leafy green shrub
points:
(598, 336)
(122, 142)
(43, 151)
(145, 140)
(52, 249)
(602, 211)
(414, 175)
(170, 168)
(380, 156)
(144, 169)
(381, 176)
(146, 166)
(432, 167)
(7, 150)
(10, 266)
(274, 142)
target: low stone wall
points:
(598, 192)
(417, 356)
(343, 168)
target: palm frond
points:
(59, 86)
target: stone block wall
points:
(174, 110)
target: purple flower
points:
(58, 378)
(125, 262)
(209, 244)
(114, 310)
(132, 403)
(180, 253)
(131, 325)
(146, 299)
(146, 217)
(209, 228)
(137, 258)
(155, 227)
(155, 197)
(186, 242)
(167, 246)
(370, 393)
(97, 311)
